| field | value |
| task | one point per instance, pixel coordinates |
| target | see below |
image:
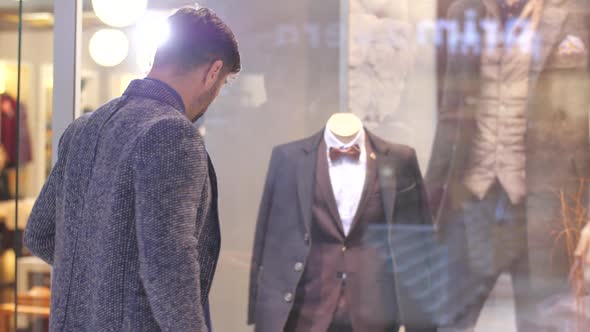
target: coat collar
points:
(312, 143)
(550, 29)
(155, 89)
(553, 17)
(492, 7)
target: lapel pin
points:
(373, 156)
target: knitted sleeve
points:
(39, 237)
(170, 173)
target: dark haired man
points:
(128, 217)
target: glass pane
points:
(509, 163)
(9, 94)
(379, 164)
(26, 79)
(288, 88)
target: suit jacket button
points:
(288, 297)
(298, 267)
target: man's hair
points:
(197, 37)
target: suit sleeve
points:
(412, 205)
(447, 124)
(260, 235)
(39, 237)
(170, 171)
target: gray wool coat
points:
(128, 218)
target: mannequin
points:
(345, 126)
(332, 212)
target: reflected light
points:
(117, 13)
(252, 92)
(2, 77)
(126, 80)
(7, 263)
(109, 47)
(151, 32)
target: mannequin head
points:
(345, 126)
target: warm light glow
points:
(125, 80)
(2, 77)
(109, 47)
(41, 16)
(151, 32)
(119, 13)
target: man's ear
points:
(213, 74)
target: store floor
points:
(498, 312)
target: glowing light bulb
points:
(109, 47)
(151, 32)
(119, 13)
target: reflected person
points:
(512, 135)
(128, 217)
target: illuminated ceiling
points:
(38, 14)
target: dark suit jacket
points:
(557, 144)
(283, 228)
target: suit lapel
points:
(306, 171)
(549, 31)
(386, 174)
(324, 182)
(369, 187)
(212, 183)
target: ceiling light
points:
(151, 32)
(119, 13)
(109, 47)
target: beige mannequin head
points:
(345, 126)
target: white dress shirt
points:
(347, 177)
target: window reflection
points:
(490, 94)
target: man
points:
(323, 257)
(512, 142)
(128, 217)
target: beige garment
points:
(498, 150)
